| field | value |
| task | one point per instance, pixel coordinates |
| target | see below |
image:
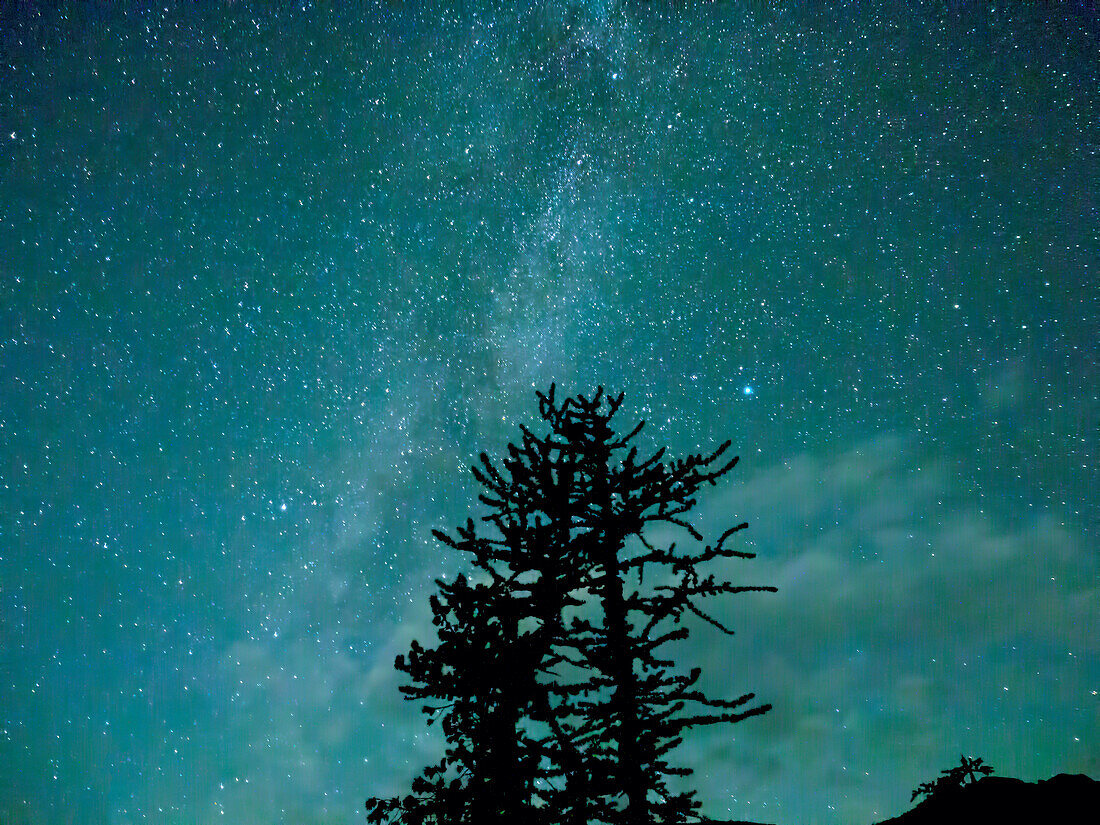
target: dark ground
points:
(1066, 799)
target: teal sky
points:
(271, 279)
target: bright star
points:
(747, 390)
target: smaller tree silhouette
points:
(965, 773)
(479, 682)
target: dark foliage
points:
(953, 778)
(555, 699)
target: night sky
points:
(269, 281)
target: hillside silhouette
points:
(1066, 799)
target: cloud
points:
(912, 622)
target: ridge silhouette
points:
(1065, 799)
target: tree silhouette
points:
(555, 704)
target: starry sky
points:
(272, 275)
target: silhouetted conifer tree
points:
(555, 704)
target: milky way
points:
(270, 281)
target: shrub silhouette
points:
(953, 778)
